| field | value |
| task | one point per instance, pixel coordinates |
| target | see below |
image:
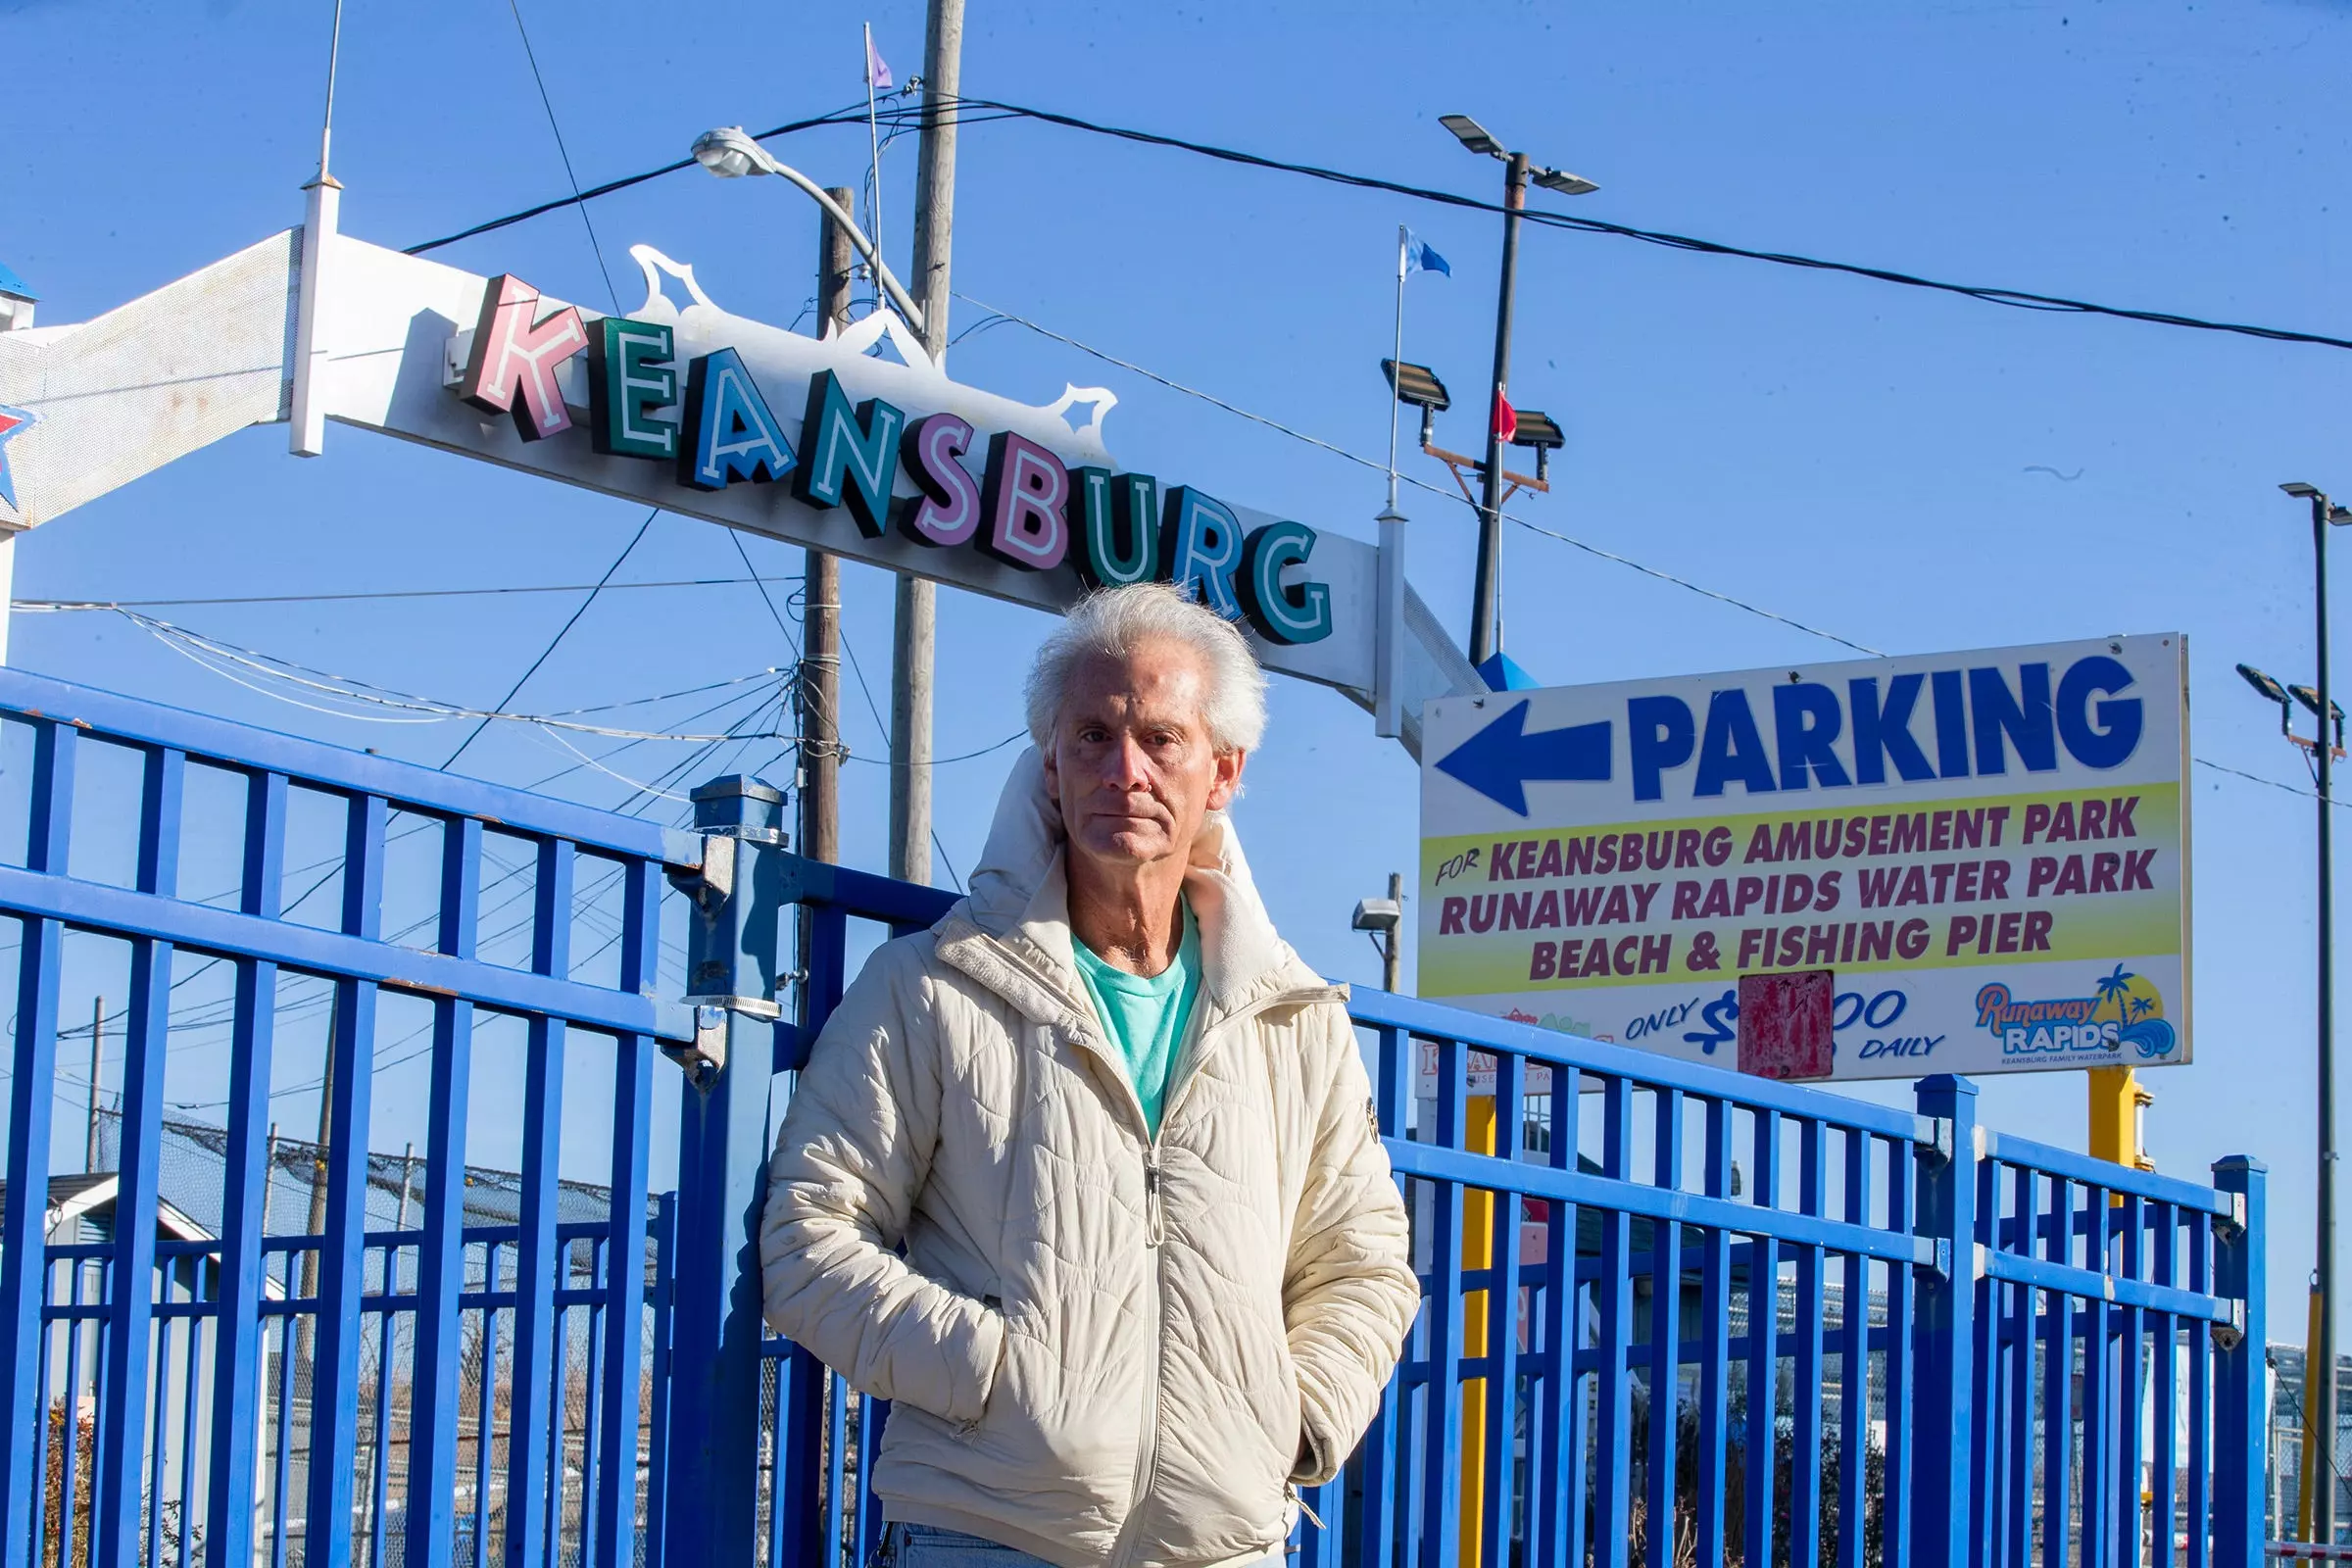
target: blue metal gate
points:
(230, 1397)
(1719, 1319)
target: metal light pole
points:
(2317, 1504)
(1485, 609)
(2322, 514)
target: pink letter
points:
(1027, 488)
(949, 512)
(513, 365)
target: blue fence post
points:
(1946, 1326)
(116, 1507)
(24, 1216)
(2241, 1384)
(714, 1361)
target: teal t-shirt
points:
(1146, 1018)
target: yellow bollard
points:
(2116, 1102)
(1478, 1252)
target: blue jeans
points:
(929, 1547)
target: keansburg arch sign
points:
(858, 442)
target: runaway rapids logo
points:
(2127, 1010)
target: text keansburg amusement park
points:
(1985, 849)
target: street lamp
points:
(2317, 1510)
(731, 154)
(1383, 919)
(1486, 614)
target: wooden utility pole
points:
(914, 629)
(90, 1140)
(307, 1325)
(819, 684)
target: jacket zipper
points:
(1155, 1230)
(1146, 1451)
(1155, 1235)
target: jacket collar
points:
(1018, 914)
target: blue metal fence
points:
(1724, 1319)
(236, 1393)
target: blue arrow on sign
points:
(1500, 759)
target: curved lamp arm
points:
(729, 152)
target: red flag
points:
(1507, 417)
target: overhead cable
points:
(1422, 484)
(58, 606)
(2014, 298)
(560, 632)
(397, 703)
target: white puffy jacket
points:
(1100, 1348)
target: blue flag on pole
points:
(1422, 256)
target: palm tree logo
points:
(2116, 988)
(2141, 1007)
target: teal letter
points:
(1202, 541)
(1296, 614)
(629, 376)
(1112, 516)
(851, 455)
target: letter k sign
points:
(513, 365)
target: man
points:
(1156, 1267)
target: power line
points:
(1549, 533)
(430, 711)
(2022, 299)
(560, 632)
(55, 606)
(573, 180)
(2014, 298)
(1361, 461)
(849, 114)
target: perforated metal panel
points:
(173, 371)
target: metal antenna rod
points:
(334, 52)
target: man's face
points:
(1131, 763)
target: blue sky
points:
(1910, 470)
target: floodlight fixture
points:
(1377, 914)
(2300, 491)
(1473, 135)
(1418, 385)
(1563, 183)
(2311, 701)
(1539, 430)
(2264, 685)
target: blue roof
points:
(10, 283)
(1502, 674)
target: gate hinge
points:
(705, 1055)
(710, 883)
(2229, 1226)
(1938, 1148)
(2231, 1334)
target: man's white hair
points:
(1112, 621)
